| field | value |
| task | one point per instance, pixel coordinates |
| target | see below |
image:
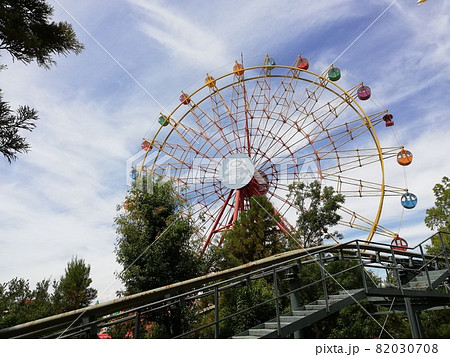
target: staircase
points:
(420, 281)
(306, 316)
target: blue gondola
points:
(409, 200)
(133, 173)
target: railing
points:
(202, 297)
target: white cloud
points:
(59, 200)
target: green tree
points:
(438, 217)
(317, 211)
(156, 248)
(28, 34)
(73, 290)
(255, 234)
(20, 304)
(11, 141)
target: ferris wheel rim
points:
(319, 80)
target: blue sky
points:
(60, 199)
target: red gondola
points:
(146, 145)
(388, 120)
(302, 63)
(399, 244)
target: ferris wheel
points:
(257, 130)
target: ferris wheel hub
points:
(236, 171)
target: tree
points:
(438, 217)
(154, 243)
(11, 142)
(156, 248)
(28, 34)
(317, 211)
(73, 290)
(255, 234)
(20, 304)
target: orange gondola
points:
(210, 81)
(238, 69)
(404, 157)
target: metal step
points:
(301, 318)
(420, 282)
(302, 312)
(260, 331)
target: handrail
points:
(135, 302)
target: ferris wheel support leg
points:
(216, 223)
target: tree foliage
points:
(255, 234)
(154, 243)
(438, 217)
(73, 290)
(28, 34)
(11, 124)
(317, 211)
(155, 246)
(20, 304)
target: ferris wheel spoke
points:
(343, 161)
(354, 220)
(281, 98)
(223, 115)
(339, 136)
(184, 155)
(240, 111)
(351, 187)
(200, 138)
(259, 103)
(208, 126)
(318, 120)
(220, 213)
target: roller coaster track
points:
(419, 281)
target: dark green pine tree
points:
(28, 34)
(73, 290)
(11, 125)
(255, 234)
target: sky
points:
(59, 200)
